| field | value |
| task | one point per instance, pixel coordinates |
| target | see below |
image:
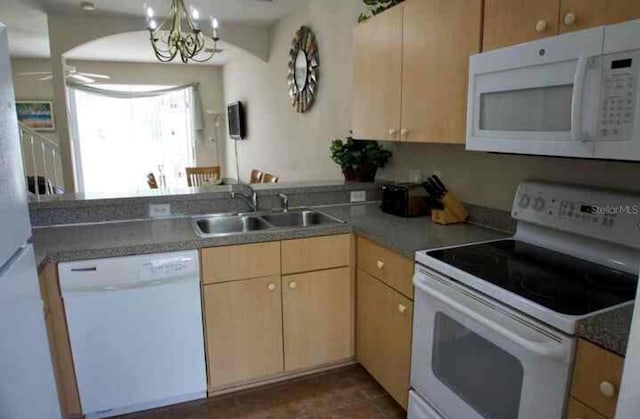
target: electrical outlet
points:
(358, 196)
(159, 210)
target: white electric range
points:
(494, 322)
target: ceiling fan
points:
(70, 72)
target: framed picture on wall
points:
(36, 114)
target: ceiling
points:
(28, 34)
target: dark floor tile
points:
(390, 408)
(362, 410)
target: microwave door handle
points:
(576, 98)
(538, 348)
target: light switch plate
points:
(159, 210)
(358, 196)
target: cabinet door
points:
(384, 322)
(377, 76)
(243, 321)
(576, 15)
(439, 36)
(318, 318)
(577, 410)
(510, 22)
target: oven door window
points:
(541, 109)
(483, 375)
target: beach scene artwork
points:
(37, 115)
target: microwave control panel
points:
(618, 100)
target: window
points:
(119, 141)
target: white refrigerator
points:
(27, 384)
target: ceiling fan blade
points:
(45, 78)
(97, 76)
(82, 78)
(35, 73)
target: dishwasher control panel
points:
(166, 268)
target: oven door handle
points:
(547, 351)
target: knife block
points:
(453, 213)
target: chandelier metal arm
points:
(190, 44)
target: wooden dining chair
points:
(200, 176)
(256, 176)
(269, 178)
(151, 181)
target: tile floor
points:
(348, 392)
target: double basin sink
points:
(228, 224)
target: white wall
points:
(209, 78)
(280, 141)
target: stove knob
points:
(539, 204)
(524, 201)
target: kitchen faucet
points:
(285, 202)
(251, 200)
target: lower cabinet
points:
(317, 317)
(384, 322)
(243, 321)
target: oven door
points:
(537, 98)
(475, 358)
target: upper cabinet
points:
(411, 70)
(378, 77)
(510, 22)
(438, 38)
(582, 14)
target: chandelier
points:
(180, 33)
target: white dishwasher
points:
(135, 326)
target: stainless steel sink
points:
(299, 219)
(232, 224)
(224, 225)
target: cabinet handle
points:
(402, 308)
(380, 264)
(607, 389)
(293, 285)
(541, 26)
(404, 132)
(393, 132)
(569, 18)
(271, 286)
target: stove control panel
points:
(605, 215)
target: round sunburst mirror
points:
(303, 69)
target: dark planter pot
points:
(363, 174)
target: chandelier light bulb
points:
(152, 24)
(195, 14)
(150, 12)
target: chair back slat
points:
(200, 176)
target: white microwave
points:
(573, 95)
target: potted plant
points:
(376, 7)
(358, 159)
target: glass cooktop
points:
(555, 280)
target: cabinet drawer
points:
(391, 268)
(312, 254)
(596, 378)
(384, 321)
(231, 263)
(578, 410)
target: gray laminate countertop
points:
(609, 330)
(401, 235)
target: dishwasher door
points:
(135, 326)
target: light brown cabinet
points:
(60, 347)
(391, 268)
(384, 335)
(244, 330)
(425, 48)
(576, 15)
(577, 410)
(510, 22)
(317, 318)
(596, 379)
(261, 324)
(377, 80)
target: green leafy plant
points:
(376, 7)
(358, 159)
